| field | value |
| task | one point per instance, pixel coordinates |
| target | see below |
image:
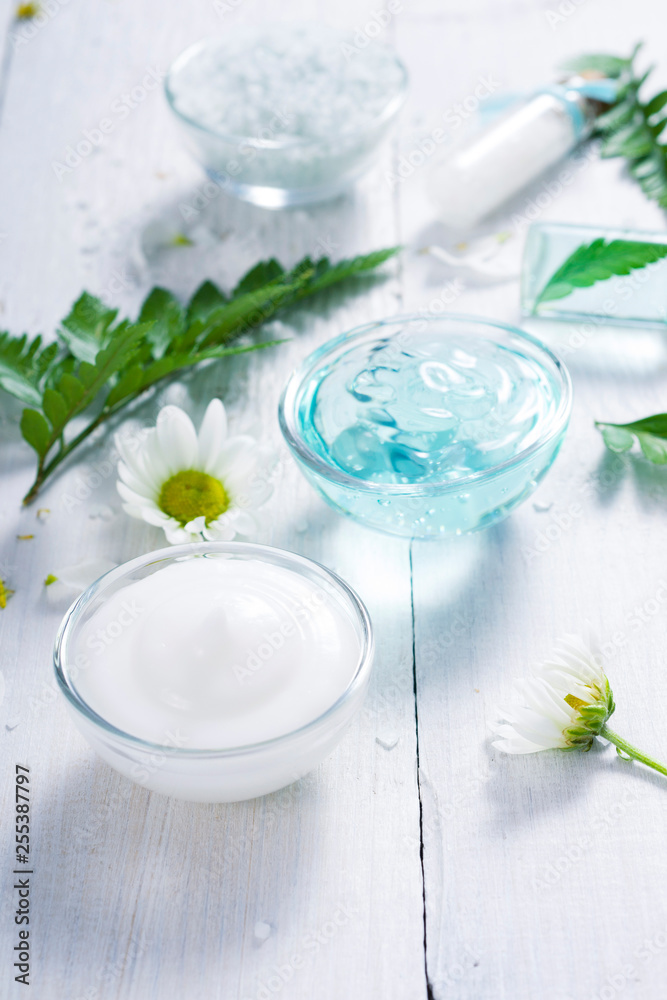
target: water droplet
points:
(542, 508)
(102, 513)
(262, 931)
(387, 741)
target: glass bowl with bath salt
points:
(217, 671)
(286, 114)
(427, 427)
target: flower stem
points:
(631, 751)
(46, 468)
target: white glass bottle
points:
(498, 161)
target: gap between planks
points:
(429, 989)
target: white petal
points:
(564, 684)
(130, 496)
(547, 719)
(222, 530)
(568, 665)
(511, 742)
(241, 521)
(82, 574)
(587, 669)
(248, 491)
(197, 526)
(144, 466)
(539, 696)
(517, 745)
(578, 657)
(156, 464)
(236, 457)
(156, 517)
(125, 453)
(536, 728)
(585, 651)
(134, 511)
(176, 535)
(128, 449)
(133, 453)
(135, 500)
(136, 483)
(178, 439)
(212, 433)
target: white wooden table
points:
(416, 862)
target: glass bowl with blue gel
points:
(427, 427)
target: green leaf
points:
(632, 141)
(55, 408)
(610, 66)
(165, 313)
(620, 114)
(264, 273)
(24, 365)
(87, 326)
(109, 365)
(205, 300)
(327, 274)
(71, 388)
(656, 424)
(654, 448)
(597, 261)
(35, 431)
(127, 385)
(615, 438)
(248, 311)
(177, 362)
(113, 358)
(656, 103)
(650, 432)
(62, 406)
(630, 128)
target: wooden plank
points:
(315, 890)
(544, 875)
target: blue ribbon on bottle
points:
(603, 90)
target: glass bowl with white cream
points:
(427, 427)
(217, 671)
(286, 114)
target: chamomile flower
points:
(564, 705)
(193, 485)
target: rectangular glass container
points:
(636, 299)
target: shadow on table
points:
(125, 860)
(526, 786)
(649, 480)
(204, 233)
(460, 586)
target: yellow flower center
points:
(191, 494)
(26, 11)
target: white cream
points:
(216, 653)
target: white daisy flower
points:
(192, 485)
(564, 706)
